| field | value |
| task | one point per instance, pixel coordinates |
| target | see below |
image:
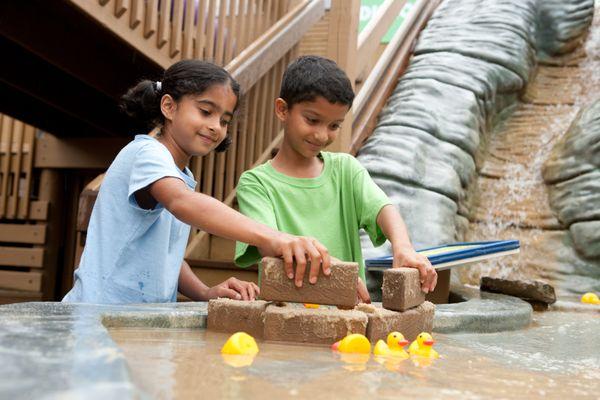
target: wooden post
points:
(51, 190)
(342, 48)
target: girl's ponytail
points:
(142, 103)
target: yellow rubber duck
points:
(354, 343)
(240, 343)
(394, 346)
(310, 305)
(590, 298)
(422, 346)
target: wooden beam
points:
(38, 210)
(17, 233)
(94, 153)
(18, 296)
(252, 63)
(30, 281)
(21, 256)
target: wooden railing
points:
(382, 78)
(167, 31)
(16, 164)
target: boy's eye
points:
(205, 112)
(225, 122)
(311, 120)
(335, 127)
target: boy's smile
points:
(309, 126)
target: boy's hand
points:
(234, 288)
(408, 257)
(362, 292)
(301, 249)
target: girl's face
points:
(198, 123)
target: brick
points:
(410, 323)
(338, 289)
(323, 325)
(401, 289)
(229, 316)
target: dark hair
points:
(311, 76)
(142, 102)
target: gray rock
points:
(561, 23)
(526, 290)
(577, 199)
(586, 238)
(481, 312)
(578, 151)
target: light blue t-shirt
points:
(132, 255)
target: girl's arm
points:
(391, 223)
(233, 288)
(212, 216)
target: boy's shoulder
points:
(254, 175)
(342, 161)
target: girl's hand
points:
(408, 257)
(234, 288)
(301, 249)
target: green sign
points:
(368, 9)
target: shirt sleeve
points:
(151, 164)
(370, 199)
(254, 202)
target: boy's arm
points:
(212, 216)
(192, 287)
(391, 223)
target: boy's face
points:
(310, 126)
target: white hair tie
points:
(158, 85)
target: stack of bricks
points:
(281, 316)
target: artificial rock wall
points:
(473, 59)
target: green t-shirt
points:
(331, 207)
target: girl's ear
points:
(281, 109)
(168, 106)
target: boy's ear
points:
(281, 109)
(168, 106)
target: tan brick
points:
(324, 325)
(229, 316)
(401, 289)
(409, 323)
(337, 289)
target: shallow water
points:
(558, 357)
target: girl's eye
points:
(335, 127)
(205, 112)
(311, 121)
(225, 122)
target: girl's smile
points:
(196, 124)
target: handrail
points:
(370, 37)
(263, 53)
(382, 79)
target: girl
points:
(140, 223)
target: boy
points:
(330, 196)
